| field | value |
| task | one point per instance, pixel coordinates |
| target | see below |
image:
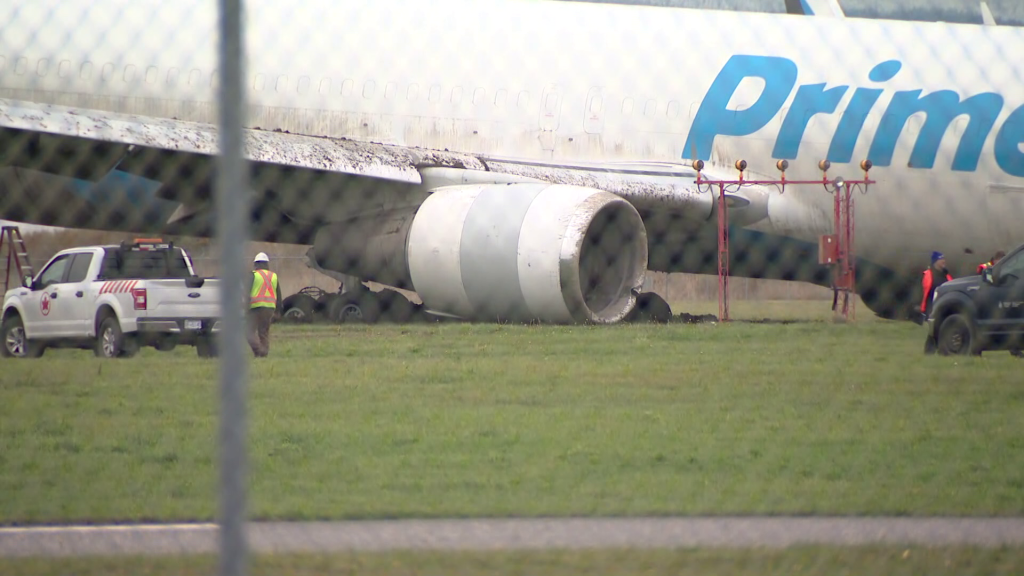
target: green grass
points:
(484, 420)
(791, 562)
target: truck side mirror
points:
(986, 276)
(26, 282)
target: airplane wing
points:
(96, 169)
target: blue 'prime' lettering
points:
(940, 108)
(713, 118)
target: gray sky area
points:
(1006, 12)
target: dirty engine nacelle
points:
(495, 252)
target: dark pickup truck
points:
(982, 313)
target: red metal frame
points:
(843, 271)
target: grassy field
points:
(790, 562)
(483, 420)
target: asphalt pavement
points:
(515, 534)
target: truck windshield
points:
(143, 264)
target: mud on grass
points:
(486, 420)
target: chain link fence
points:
(522, 160)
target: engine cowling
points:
(505, 252)
(528, 252)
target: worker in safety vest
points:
(998, 256)
(936, 275)
(264, 303)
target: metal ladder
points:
(17, 254)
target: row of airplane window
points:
(281, 84)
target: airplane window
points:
(673, 109)
(627, 106)
(456, 94)
(108, 71)
(650, 108)
(172, 76)
(499, 98)
(151, 74)
(368, 89)
(524, 100)
(282, 83)
(43, 67)
(86, 72)
(478, 95)
(193, 77)
(129, 73)
(595, 104)
(346, 87)
(389, 90)
(20, 66)
(414, 91)
(325, 87)
(435, 93)
(259, 83)
(303, 84)
(551, 103)
(64, 68)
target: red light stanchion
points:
(835, 250)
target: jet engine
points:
(519, 252)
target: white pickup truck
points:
(113, 300)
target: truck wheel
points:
(15, 343)
(206, 347)
(112, 343)
(957, 337)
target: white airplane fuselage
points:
(937, 108)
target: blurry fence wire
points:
(382, 134)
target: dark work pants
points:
(259, 330)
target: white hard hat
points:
(261, 257)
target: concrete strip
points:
(515, 534)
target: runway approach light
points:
(865, 165)
(840, 184)
(782, 165)
(741, 165)
(698, 165)
(824, 165)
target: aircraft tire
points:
(650, 307)
(298, 308)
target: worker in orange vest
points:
(936, 275)
(264, 303)
(996, 258)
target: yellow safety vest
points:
(264, 290)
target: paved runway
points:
(522, 534)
